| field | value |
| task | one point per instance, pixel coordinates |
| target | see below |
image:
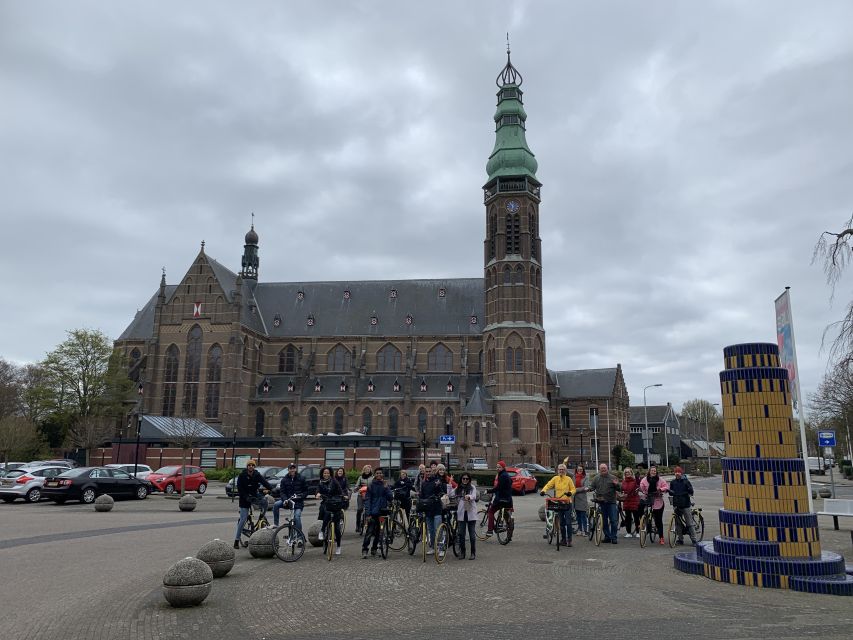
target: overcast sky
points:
(691, 154)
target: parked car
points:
(26, 482)
(51, 463)
(168, 479)
(6, 467)
(532, 467)
(818, 465)
(267, 472)
(142, 470)
(310, 473)
(476, 464)
(522, 480)
(87, 483)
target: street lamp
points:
(646, 432)
(708, 433)
(139, 391)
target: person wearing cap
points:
(682, 491)
(502, 497)
(248, 485)
(292, 485)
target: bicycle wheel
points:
(699, 525)
(598, 529)
(458, 539)
(246, 533)
(549, 526)
(424, 539)
(330, 541)
(288, 543)
(593, 514)
(502, 526)
(383, 538)
(397, 533)
(442, 538)
(482, 523)
(413, 535)
(671, 534)
(343, 522)
(644, 530)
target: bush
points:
(222, 475)
(847, 471)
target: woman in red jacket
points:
(631, 502)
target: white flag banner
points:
(785, 340)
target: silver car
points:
(26, 483)
(142, 470)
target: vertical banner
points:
(788, 359)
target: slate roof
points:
(330, 387)
(480, 404)
(165, 427)
(142, 325)
(585, 383)
(657, 414)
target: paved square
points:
(70, 573)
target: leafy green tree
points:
(77, 371)
(19, 439)
(9, 388)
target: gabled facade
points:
(663, 426)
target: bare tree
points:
(89, 432)
(522, 451)
(698, 412)
(831, 406)
(185, 433)
(298, 442)
(835, 249)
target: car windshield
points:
(167, 471)
(73, 473)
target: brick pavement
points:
(103, 582)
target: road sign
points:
(447, 439)
(826, 438)
(447, 449)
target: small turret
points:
(250, 254)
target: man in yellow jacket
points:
(564, 489)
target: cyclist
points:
(502, 497)
(466, 514)
(582, 499)
(431, 490)
(293, 484)
(376, 499)
(421, 477)
(446, 478)
(328, 488)
(248, 486)
(403, 491)
(653, 487)
(341, 479)
(682, 491)
(361, 483)
(604, 485)
(631, 502)
(564, 489)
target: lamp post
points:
(646, 432)
(708, 434)
(139, 390)
(583, 460)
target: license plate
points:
(51, 483)
(6, 483)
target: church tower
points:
(250, 260)
(513, 337)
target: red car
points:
(168, 479)
(522, 480)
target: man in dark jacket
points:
(248, 484)
(501, 498)
(293, 484)
(431, 491)
(377, 498)
(681, 491)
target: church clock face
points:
(512, 206)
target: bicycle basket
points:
(334, 504)
(558, 505)
(425, 504)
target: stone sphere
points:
(542, 512)
(270, 501)
(824, 492)
(314, 534)
(187, 583)
(260, 544)
(187, 503)
(218, 555)
(104, 503)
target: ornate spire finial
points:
(507, 46)
(509, 74)
(202, 246)
(253, 219)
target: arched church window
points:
(339, 359)
(170, 380)
(389, 358)
(192, 369)
(440, 358)
(214, 378)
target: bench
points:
(835, 508)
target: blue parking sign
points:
(826, 438)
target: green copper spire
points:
(511, 156)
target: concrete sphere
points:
(542, 512)
(260, 544)
(824, 492)
(314, 534)
(270, 501)
(104, 503)
(218, 555)
(187, 583)
(187, 503)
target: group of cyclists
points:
(439, 495)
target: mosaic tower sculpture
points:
(768, 537)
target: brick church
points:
(405, 360)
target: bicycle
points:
(381, 531)
(648, 526)
(251, 525)
(417, 532)
(334, 506)
(678, 527)
(596, 524)
(398, 529)
(553, 513)
(288, 541)
(504, 524)
(449, 520)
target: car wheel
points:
(141, 492)
(170, 489)
(8, 500)
(202, 488)
(34, 495)
(88, 496)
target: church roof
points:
(142, 325)
(480, 404)
(585, 383)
